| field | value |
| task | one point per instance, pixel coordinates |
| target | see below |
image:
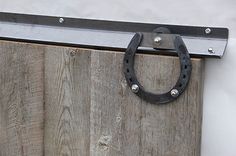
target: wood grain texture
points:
(115, 111)
(124, 125)
(67, 102)
(21, 99)
(88, 108)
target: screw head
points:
(207, 30)
(174, 92)
(61, 20)
(157, 39)
(210, 50)
(135, 88)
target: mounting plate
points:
(200, 41)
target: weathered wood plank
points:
(122, 124)
(21, 99)
(67, 102)
(173, 129)
(115, 113)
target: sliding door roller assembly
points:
(183, 41)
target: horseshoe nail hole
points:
(180, 85)
(130, 79)
(127, 61)
(127, 70)
(184, 76)
(185, 67)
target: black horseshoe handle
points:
(137, 88)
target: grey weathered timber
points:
(67, 102)
(21, 99)
(122, 124)
(88, 108)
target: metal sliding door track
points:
(200, 41)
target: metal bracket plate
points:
(200, 41)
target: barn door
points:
(72, 101)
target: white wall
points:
(219, 122)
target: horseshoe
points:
(138, 89)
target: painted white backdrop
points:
(219, 110)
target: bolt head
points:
(207, 30)
(210, 50)
(174, 92)
(157, 39)
(135, 88)
(61, 20)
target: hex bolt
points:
(61, 20)
(207, 30)
(174, 92)
(157, 40)
(135, 88)
(210, 50)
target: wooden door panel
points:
(76, 102)
(21, 99)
